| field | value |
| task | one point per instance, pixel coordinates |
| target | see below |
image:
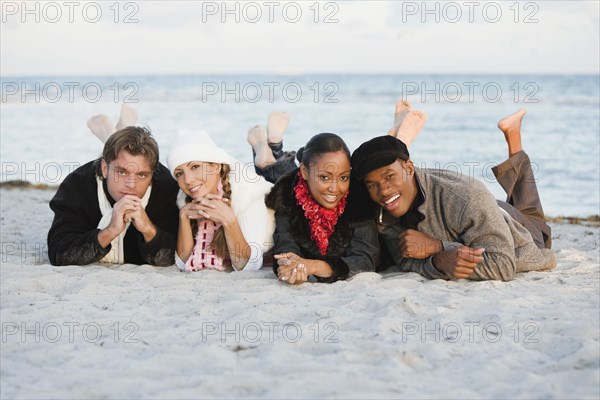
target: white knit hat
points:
(195, 146)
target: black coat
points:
(73, 237)
(353, 245)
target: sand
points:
(148, 332)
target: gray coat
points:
(459, 210)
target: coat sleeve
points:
(160, 250)
(482, 225)
(73, 236)
(362, 255)
(284, 241)
(478, 224)
(423, 267)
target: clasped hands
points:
(293, 269)
(130, 209)
(211, 207)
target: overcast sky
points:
(199, 37)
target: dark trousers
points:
(522, 198)
(286, 162)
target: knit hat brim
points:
(195, 146)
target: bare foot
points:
(101, 126)
(410, 127)
(258, 141)
(128, 117)
(511, 127)
(276, 126)
(403, 107)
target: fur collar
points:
(282, 200)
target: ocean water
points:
(43, 133)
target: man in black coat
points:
(120, 208)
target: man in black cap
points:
(444, 225)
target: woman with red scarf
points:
(318, 229)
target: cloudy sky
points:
(295, 37)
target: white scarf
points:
(117, 251)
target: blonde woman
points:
(223, 220)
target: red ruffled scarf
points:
(321, 220)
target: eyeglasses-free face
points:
(328, 178)
(127, 175)
(393, 187)
(198, 178)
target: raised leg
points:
(276, 126)
(128, 117)
(516, 177)
(410, 126)
(101, 126)
(262, 152)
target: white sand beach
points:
(147, 332)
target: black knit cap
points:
(376, 153)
